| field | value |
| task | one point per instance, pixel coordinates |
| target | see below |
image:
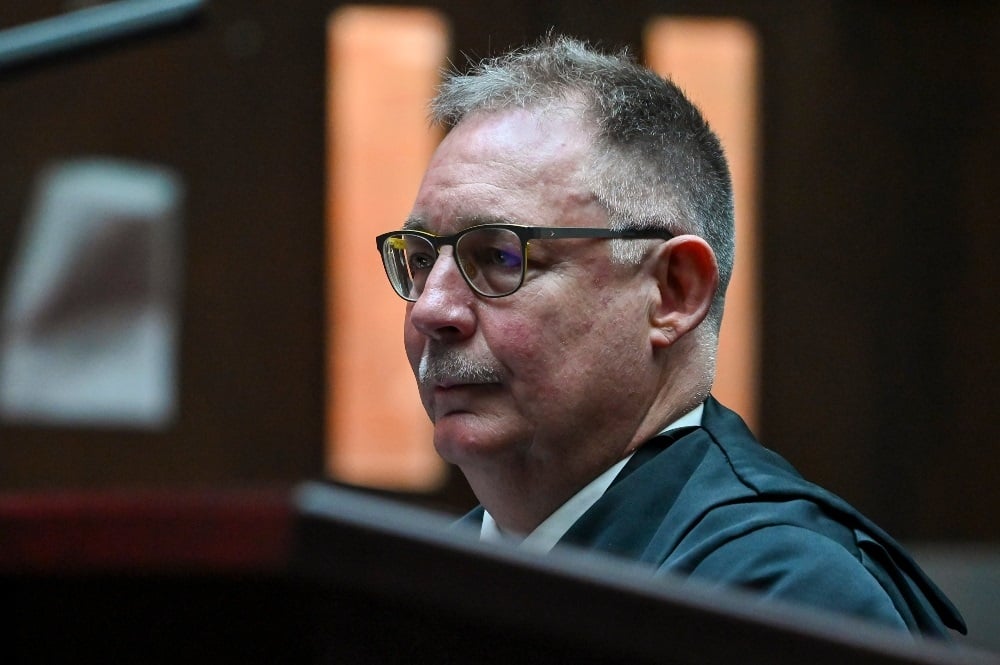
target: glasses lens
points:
(408, 260)
(491, 260)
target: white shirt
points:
(547, 534)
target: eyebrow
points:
(414, 223)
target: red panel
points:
(147, 531)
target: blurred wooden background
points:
(878, 207)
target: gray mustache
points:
(451, 366)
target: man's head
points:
(655, 160)
(605, 341)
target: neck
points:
(520, 501)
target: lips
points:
(449, 384)
(449, 398)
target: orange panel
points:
(383, 66)
(715, 61)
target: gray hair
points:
(656, 162)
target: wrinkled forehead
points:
(513, 166)
(510, 128)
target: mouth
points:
(454, 398)
(458, 385)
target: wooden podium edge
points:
(604, 605)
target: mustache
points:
(442, 366)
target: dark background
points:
(878, 206)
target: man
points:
(565, 266)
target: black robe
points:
(711, 503)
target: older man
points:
(565, 265)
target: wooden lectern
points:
(321, 574)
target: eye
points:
(491, 257)
(499, 257)
(418, 261)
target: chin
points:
(458, 441)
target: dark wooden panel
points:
(235, 105)
(878, 213)
(879, 313)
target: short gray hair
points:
(656, 162)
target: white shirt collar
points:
(549, 532)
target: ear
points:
(687, 275)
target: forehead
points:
(521, 166)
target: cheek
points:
(602, 337)
(513, 340)
(537, 351)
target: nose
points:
(445, 308)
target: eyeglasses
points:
(490, 257)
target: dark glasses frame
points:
(524, 234)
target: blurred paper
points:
(90, 318)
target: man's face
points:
(559, 371)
